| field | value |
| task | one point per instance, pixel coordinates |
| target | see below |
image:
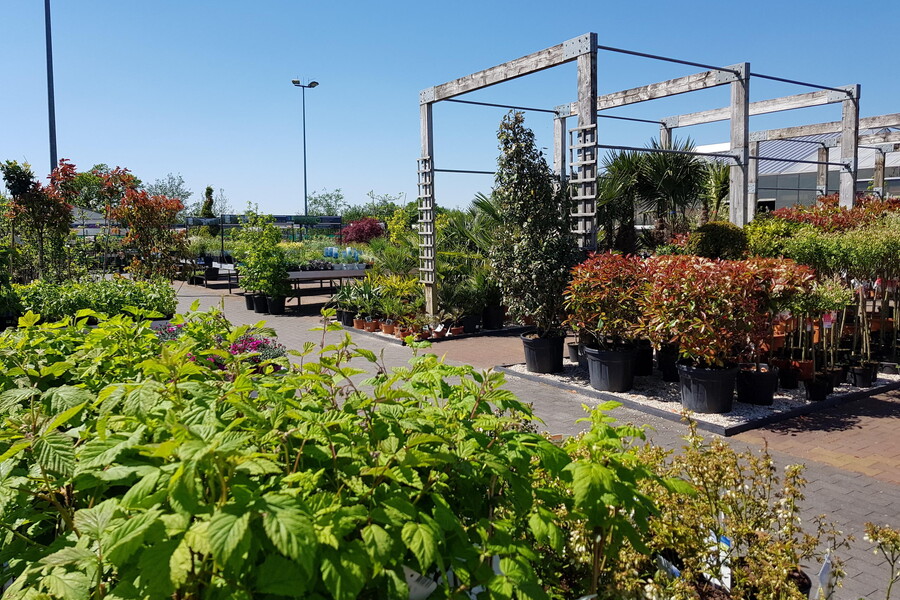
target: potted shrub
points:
(603, 304)
(778, 283)
(706, 307)
(533, 258)
(274, 281)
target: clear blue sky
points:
(203, 88)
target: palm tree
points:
(715, 190)
(618, 193)
(670, 184)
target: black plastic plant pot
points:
(470, 324)
(276, 305)
(260, 303)
(211, 273)
(888, 368)
(492, 317)
(248, 299)
(574, 352)
(347, 318)
(789, 378)
(643, 360)
(757, 386)
(543, 355)
(817, 389)
(611, 370)
(860, 377)
(707, 391)
(666, 362)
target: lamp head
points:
(312, 84)
(295, 82)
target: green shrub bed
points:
(55, 301)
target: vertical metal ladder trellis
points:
(583, 184)
(426, 220)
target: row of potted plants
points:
(711, 314)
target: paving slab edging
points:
(723, 430)
(391, 339)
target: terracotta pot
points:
(359, 323)
(457, 330)
(436, 335)
(776, 342)
(373, 326)
(387, 328)
(402, 333)
(805, 367)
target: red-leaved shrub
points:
(362, 231)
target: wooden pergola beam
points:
(662, 89)
(891, 120)
(888, 137)
(553, 56)
(760, 107)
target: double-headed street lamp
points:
(311, 84)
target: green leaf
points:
(16, 396)
(120, 542)
(278, 575)
(344, 572)
(378, 543)
(67, 396)
(93, 521)
(69, 555)
(421, 542)
(590, 481)
(64, 416)
(136, 496)
(290, 530)
(55, 453)
(14, 450)
(71, 585)
(102, 452)
(155, 564)
(227, 529)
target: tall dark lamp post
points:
(311, 84)
(51, 104)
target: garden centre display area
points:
(194, 458)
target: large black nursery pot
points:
(276, 305)
(860, 376)
(492, 317)
(347, 318)
(666, 361)
(543, 354)
(707, 391)
(611, 370)
(817, 389)
(643, 359)
(260, 303)
(470, 324)
(248, 299)
(757, 386)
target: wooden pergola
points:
(582, 145)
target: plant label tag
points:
(667, 567)
(828, 320)
(825, 582)
(420, 587)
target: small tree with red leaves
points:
(362, 231)
(149, 220)
(41, 215)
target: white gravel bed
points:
(653, 392)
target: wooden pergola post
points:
(878, 174)
(559, 146)
(822, 171)
(740, 137)
(665, 136)
(584, 193)
(849, 146)
(426, 202)
(752, 180)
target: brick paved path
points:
(851, 452)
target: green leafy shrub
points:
(55, 301)
(128, 470)
(718, 239)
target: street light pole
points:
(311, 84)
(51, 103)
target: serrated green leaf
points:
(278, 575)
(64, 417)
(93, 521)
(14, 450)
(421, 542)
(290, 530)
(378, 543)
(66, 396)
(55, 453)
(98, 453)
(344, 572)
(227, 529)
(70, 555)
(139, 492)
(16, 396)
(121, 541)
(155, 564)
(70, 585)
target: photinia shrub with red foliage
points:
(362, 231)
(149, 220)
(603, 298)
(826, 215)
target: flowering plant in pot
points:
(532, 259)
(603, 301)
(706, 307)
